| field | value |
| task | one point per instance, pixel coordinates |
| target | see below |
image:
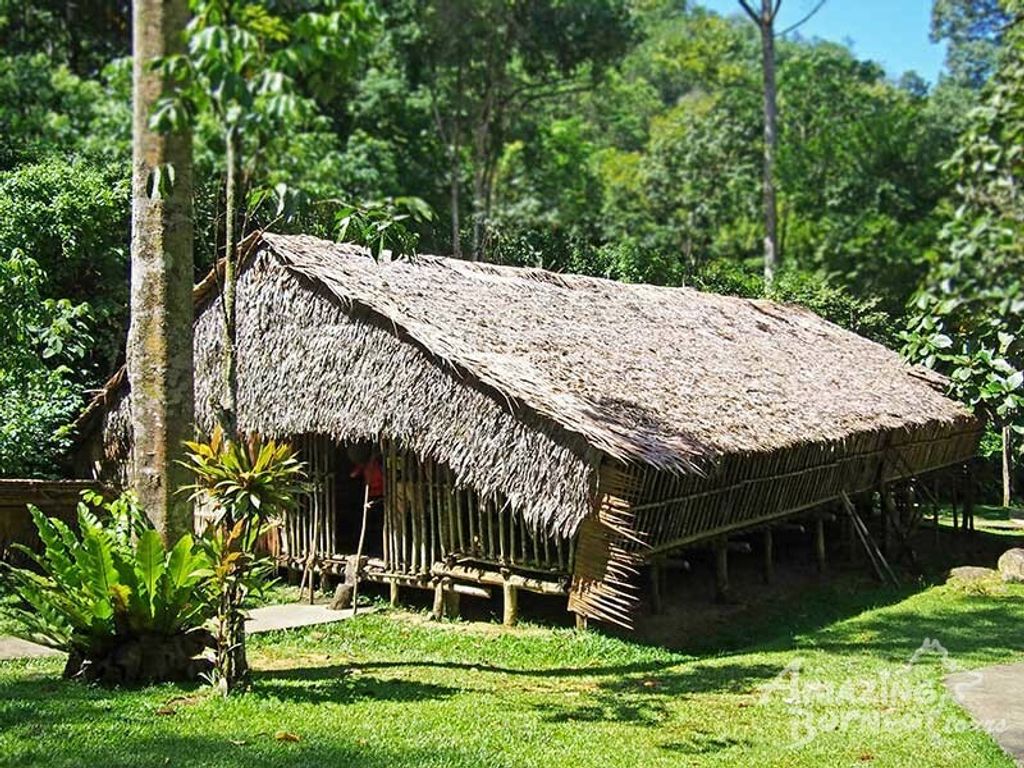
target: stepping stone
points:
(292, 615)
(992, 696)
(1011, 565)
(973, 573)
(16, 648)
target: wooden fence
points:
(56, 498)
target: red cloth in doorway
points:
(373, 475)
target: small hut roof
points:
(670, 377)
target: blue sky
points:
(892, 32)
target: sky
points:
(892, 32)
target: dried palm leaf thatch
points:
(522, 380)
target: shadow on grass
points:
(341, 684)
(777, 620)
(646, 700)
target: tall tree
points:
(765, 17)
(970, 312)
(973, 31)
(160, 336)
(506, 59)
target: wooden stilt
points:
(968, 495)
(438, 610)
(819, 543)
(721, 548)
(451, 603)
(394, 594)
(768, 564)
(359, 552)
(888, 520)
(656, 572)
(511, 604)
(581, 622)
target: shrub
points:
(122, 606)
(248, 483)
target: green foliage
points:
(112, 582)
(39, 339)
(247, 484)
(969, 314)
(381, 225)
(71, 219)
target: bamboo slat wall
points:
(428, 520)
(316, 519)
(671, 511)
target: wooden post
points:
(969, 496)
(394, 593)
(656, 573)
(511, 603)
(888, 523)
(819, 543)
(721, 570)
(438, 610)
(581, 622)
(768, 566)
(359, 551)
(451, 603)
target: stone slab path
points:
(291, 615)
(15, 648)
(266, 619)
(993, 697)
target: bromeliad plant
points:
(123, 607)
(248, 484)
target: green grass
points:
(393, 690)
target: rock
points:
(342, 598)
(973, 573)
(1011, 565)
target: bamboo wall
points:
(671, 511)
(428, 520)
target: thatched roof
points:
(666, 376)
(547, 371)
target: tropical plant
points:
(248, 484)
(123, 607)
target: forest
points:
(616, 138)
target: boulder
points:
(970, 574)
(342, 598)
(1011, 565)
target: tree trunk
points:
(229, 399)
(1007, 465)
(232, 663)
(455, 182)
(160, 336)
(771, 240)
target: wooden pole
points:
(968, 495)
(819, 543)
(394, 593)
(656, 571)
(721, 570)
(511, 604)
(359, 551)
(768, 566)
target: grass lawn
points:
(391, 689)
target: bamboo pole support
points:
(510, 601)
(721, 549)
(359, 551)
(819, 543)
(768, 550)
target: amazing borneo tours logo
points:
(909, 698)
